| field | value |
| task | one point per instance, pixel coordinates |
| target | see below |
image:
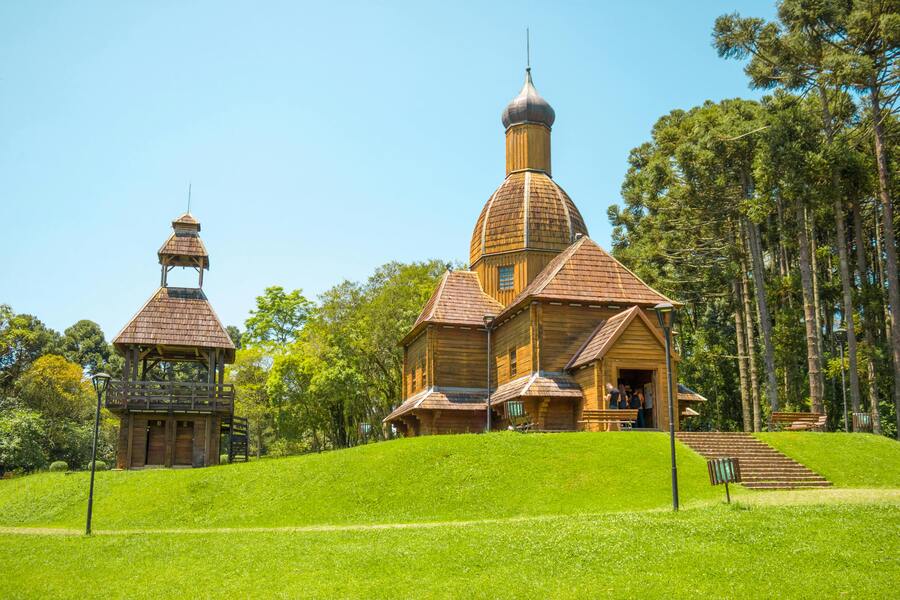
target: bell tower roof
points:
(528, 107)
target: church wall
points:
(586, 378)
(527, 265)
(414, 371)
(450, 421)
(564, 328)
(514, 334)
(460, 357)
(528, 147)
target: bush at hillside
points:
(59, 466)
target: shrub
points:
(59, 466)
(99, 465)
(223, 459)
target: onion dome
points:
(528, 211)
(528, 107)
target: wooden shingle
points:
(176, 317)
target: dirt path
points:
(773, 498)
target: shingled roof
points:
(605, 335)
(184, 244)
(177, 317)
(441, 399)
(457, 300)
(542, 384)
(585, 272)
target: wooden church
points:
(566, 317)
(170, 419)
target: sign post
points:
(724, 470)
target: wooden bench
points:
(607, 417)
(862, 422)
(798, 421)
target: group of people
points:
(625, 397)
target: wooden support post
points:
(170, 440)
(128, 422)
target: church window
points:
(512, 363)
(506, 277)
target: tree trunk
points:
(890, 244)
(751, 347)
(741, 354)
(817, 304)
(813, 357)
(847, 296)
(762, 313)
(867, 325)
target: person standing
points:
(612, 396)
(623, 396)
(648, 404)
(638, 403)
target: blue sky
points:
(321, 139)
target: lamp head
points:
(841, 334)
(665, 313)
(100, 381)
(489, 320)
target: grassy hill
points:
(420, 479)
(504, 515)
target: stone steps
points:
(762, 467)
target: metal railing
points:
(170, 395)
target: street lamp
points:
(100, 381)
(488, 324)
(841, 334)
(665, 313)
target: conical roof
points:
(528, 107)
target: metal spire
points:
(189, 198)
(527, 49)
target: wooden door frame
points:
(656, 369)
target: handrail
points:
(170, 395)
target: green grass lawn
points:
(714, 551)
(845, 459)
(420, 479)
(576, 515)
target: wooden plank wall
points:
(460, 356)
(415, 361)
(450, 421)
(528, 147)
(565, 328)
(514, 334)
(526, 263)
(199, 451)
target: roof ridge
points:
(487, 214)
(139, 311)
(526, 200)
(437, 295)
(216, 317)
(564, 258)
(596, 330)
(632, 273)
(562, 202)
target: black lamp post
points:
(841, 335)
(665, 313)
(488, 324)
(100, 381)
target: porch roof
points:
(542, 384)
(446, 398)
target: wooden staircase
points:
(237, 430)
(762, 466)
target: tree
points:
(278, 317)
(249, 374)
(23, 338)
(235, 334)
(827, 47)
(23, 445)
(84, 343)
